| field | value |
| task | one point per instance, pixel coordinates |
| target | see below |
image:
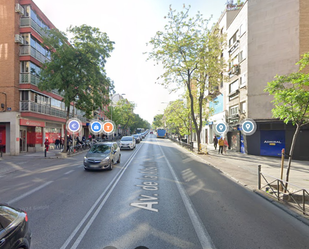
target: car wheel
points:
(119, 158)
(110, 167)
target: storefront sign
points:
(272, 143)
(27, 122)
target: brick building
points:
(27, 115)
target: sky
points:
(130, 24)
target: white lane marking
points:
(69, 172)
(29, 193)
(106, 193)
(199, 228)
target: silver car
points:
(127, 142)
(102, 155)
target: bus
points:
(161, 133)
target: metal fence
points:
(283, 191)
(183, 144)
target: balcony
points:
(28, 22)
(235, 70)
(27, 78)
(29, 106)
(28, 50)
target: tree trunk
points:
(291, 155)
(65, 147)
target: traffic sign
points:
(74, 125)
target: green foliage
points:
(291, 101)
(190, 53)
(177, 118)
(76, 69)
(124, 114)
(158, 122)
(291, 98)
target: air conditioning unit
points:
(19, 9)
(19, 39)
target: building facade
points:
(264, 39)
(27, 115)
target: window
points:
(242, 55)
(242, 29)
(24, 66)
(243, 80)
(233, 39)
(233, 110)
(233, 86)
(24, 95)
(243, 107)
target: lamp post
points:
(112, 97)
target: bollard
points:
(45, 152)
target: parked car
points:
(14, 228)
(102, 155)
(137, 138)
(127, 142)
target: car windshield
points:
(126, 139)
(100, 148)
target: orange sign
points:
(108, 127)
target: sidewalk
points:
(244, 168)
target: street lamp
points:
(112, 97)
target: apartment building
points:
(27, 115)
(264, 38)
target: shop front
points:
(31, 135)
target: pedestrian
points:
(226, 145)
(46, 144)
(61, 142)
(221, 145)
(215, 141)
(57, 143)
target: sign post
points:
(74, 125)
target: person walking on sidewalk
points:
(226, 144)
(46, 144)
(221, 145)
(215, 141)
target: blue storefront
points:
(272, 143)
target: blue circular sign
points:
(74, 125)
(96, 127)
(248, 127)
(221, 128)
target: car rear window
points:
(7, 216)
(126, 139)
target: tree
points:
(190, 53)
(77, 69)
(177, 117)
(124, 110)
(157, 122)
(291, 101)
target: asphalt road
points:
(159, 197)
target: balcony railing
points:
(28, 50)
(27, 78)
(29, 106)
(28, 22)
